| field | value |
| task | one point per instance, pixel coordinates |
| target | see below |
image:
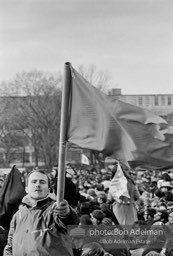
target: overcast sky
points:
(131, 40)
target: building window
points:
(16, 157)
(156, 102)
(147, 100)
(40, 157)
(140, 100)
(26, 157)
(169, 100)
(163, 100)
(73, 154)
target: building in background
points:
(160, 104)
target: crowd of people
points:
(91, 220)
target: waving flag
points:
(127, 132)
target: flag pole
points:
(63, 130)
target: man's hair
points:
(171, 211)
(42, 171)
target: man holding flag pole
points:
(40, 226)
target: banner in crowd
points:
(84, 160)
(11, 195)
(118, 185)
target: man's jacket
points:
(37, 231)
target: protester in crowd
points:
(39, 227)
(99, 188)
(169, 224)
(91, 193)
(108, 212)
(149, 216)
(155, 204)
(124, 208)
(168, 231)
(139, 204)
(169, 206)
(97, 216)
(84, 208)
(153, 187)
(164, 177)
(146, 197)
(155, 242)
(166, 187)
(156, 238)
(101, 198)
(161, 217)
(160, 196)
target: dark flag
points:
(11, 195)
(128, 133)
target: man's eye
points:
(43, 182)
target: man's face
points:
(170, 218)
(99, 200)
(170, 208)
(37, 186)
(53, 173)
(154, 205)
(158, 216)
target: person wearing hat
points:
(166, 186)
(164, 177)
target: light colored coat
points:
(37, 231)
(126, 212)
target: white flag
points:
(118, 185)
(84, 159)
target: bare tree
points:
(35, 109)
(97, 78)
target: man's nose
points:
(37, 183)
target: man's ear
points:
(26, 189)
